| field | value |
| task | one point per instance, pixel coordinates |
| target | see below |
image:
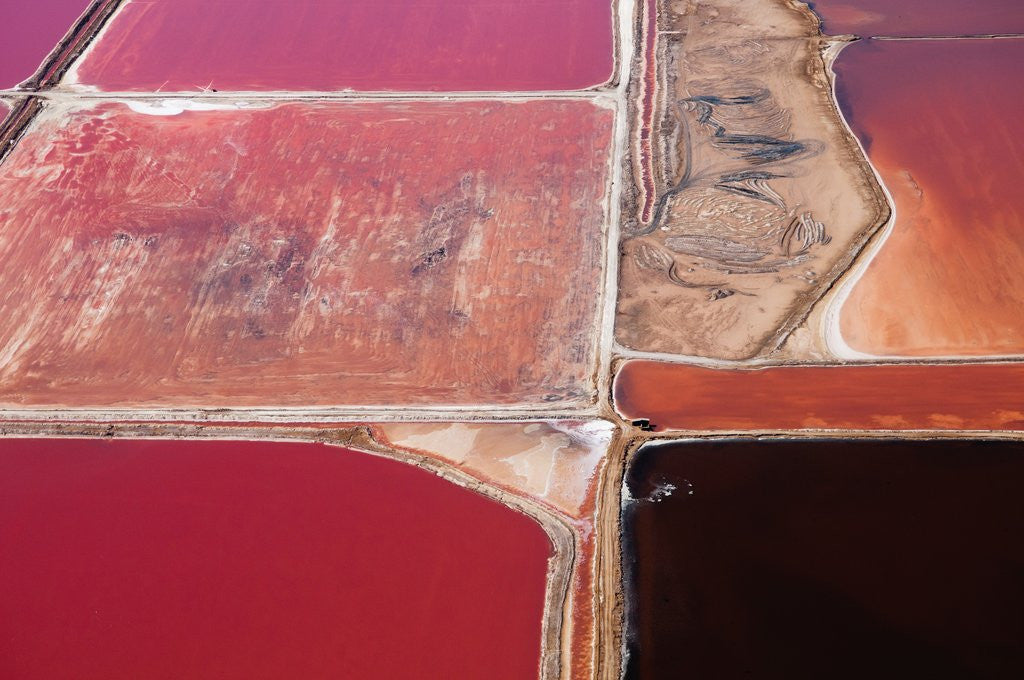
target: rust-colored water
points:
(920, 17)
(887, 397)
(941, 123)
(189, 559)
(185, 45)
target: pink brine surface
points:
(317, 45)
(916, 18)
(230, 559)
(29, 30)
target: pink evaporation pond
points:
(919, 18)
(233, 559)
(29, 30)
(313, 45)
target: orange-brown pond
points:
(940, 120)
(883, 397)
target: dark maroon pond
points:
(825, 559)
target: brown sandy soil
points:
(552, 471)
(419, 253)
(750, 197)
(15, 115)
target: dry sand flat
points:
(419, 253)
(749, 196)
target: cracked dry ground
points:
(461, 339)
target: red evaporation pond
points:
(889, 397)
(29, 30)
(920, 17)
(184, 45)
(940, 122)
(175, 559)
